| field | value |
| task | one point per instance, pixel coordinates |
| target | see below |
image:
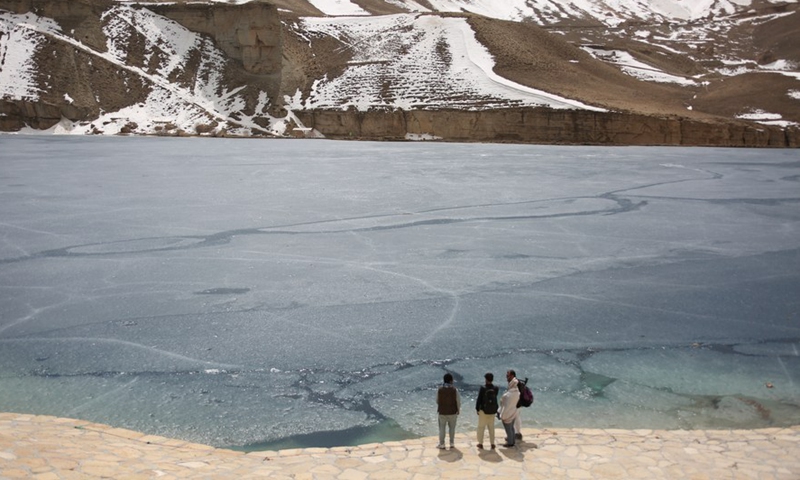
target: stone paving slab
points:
(45, 448)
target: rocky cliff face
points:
(249, 33)
(538, 125)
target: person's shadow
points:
(517, 453)
(452, 455)
(490, 456)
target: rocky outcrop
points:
(16, 114)
(546, 126)
(249, 33)
(79, 17)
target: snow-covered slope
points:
(431, 62)
(168, 47)
(543, 12)
(678, 55)
(427, 62)
(19, 41)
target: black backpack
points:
(490, 400)
(525, 394)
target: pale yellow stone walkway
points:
(46, 448)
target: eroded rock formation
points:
(540, 125)
(249, 33)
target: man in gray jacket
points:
(508, 408)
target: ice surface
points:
(704, 371)
(257, 293)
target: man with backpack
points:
(486, 406)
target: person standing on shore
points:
(508, 408)
(448, 403)
(518, 421)
(486, 406)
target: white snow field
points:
(402, 50)
(265, 293)
(550, 11)
(18, 43)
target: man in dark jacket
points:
(486, 406)
(448, 402)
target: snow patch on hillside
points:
(733, 68)
(18, 44)
(163, 36)
(338, 7)
(410, 61)
(629, 65)
(507, 10)
(611, 13)
(766, 118)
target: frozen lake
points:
(266, 293)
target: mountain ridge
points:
(260, 68)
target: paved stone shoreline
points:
(45, 448)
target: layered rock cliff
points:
(249, 33)
(546, 126)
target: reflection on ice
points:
(190, 288)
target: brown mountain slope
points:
(782, 35)
(534, 57)
(750, 92)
